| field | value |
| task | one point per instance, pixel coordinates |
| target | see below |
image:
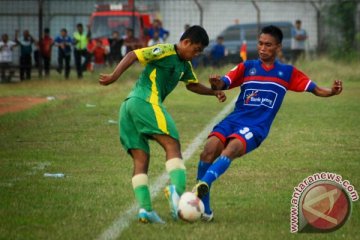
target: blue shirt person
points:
(63, 42)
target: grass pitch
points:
(75, 135)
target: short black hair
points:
(273, 31)
(47, 30)
(196, 34)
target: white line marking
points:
(125, 218)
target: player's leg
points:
(242, 141)
(211, 151)
(176, 170)
(161, 127)
(140, 185)
(174, 163)
(140, 178)
(233, 149)
(137, 146)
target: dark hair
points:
(273, 31)
(196, 34)
(79, 25)
(63, 30)
(47, 30)
(298, 21)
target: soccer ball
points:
(190, 207)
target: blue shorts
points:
(230, 127)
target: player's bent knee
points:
(208, 155)
(233, 150)
(174, 163)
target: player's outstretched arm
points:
(203, 90)
(328, 92)
(127, 61)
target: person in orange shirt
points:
(99, 53)
(45, 45)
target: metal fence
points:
(214, 15)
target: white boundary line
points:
(125, 218)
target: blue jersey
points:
(66, 42)
(262, 92)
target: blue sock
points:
(202, 168)
(216, 170)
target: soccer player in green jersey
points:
(143, 116)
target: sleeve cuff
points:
(140, 57)
(311, 86)
(226, 81)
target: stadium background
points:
(325, 30)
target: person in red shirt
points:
(45, 45)
(99, 52)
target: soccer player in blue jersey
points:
(264, 83)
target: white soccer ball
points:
(190, 207)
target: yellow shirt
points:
(81, 40)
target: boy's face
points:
(189, 50)
(267, 47)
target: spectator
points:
(45, 45)
(299, 37)
(6, 58)
(36, 55)
(26, 42)
(99, 51)
(217, 53)
(81, 40)
(157, 27)
(155, 39)
(63, 43)
(115, 43)
(130, 41)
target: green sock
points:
(142, 195)
(178, 178)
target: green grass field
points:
(251, 201)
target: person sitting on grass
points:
(264, 83)
(143, 116)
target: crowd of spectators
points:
(88, 54)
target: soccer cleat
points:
(173, 198)
(149, 217)
(207, 217)
(201, 189)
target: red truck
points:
(117, 17)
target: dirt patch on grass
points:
(16, 104)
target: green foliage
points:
(341, 18)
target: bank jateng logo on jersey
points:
(256, 97)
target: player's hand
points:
(220, 95)
(216, 83)
(106, 79)
(336, 87)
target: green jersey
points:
(163, 70)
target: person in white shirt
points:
(155, 40)
(298, 41)
(6, 58)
